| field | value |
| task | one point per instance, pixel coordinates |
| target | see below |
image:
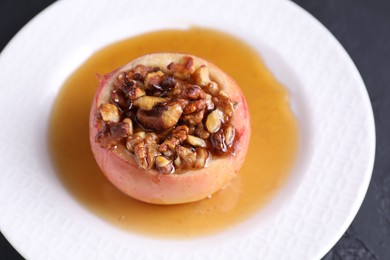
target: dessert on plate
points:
(169, 128)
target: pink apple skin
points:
(121, 169)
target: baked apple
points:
(169, 128)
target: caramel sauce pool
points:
(272, 151)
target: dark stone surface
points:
(363, 28)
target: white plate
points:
(304, 220)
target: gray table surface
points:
(363, 28)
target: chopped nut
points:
(212, 88)
(191, 129)
(224, 103)
(160, 118)
(129, 123)
(112, 134)
(151, 138)
(148, 102)
(187, 156)
(178, 135)
(140, 72)
(145, 150)
(169, 153)
(214, 121)
(140, 134)
(153, 79)
(202, 155)
(171, 116)
(182, 102)
(138, 92)
(140, 153)
(99, 123)
(163, 135)
(171, 108)
(202, 77)
(119, 81)
(109, 113)
(223, 94)
(118, 131)
(164, 165)
(209, 102)
(119, 98)
(229, 133)
(188, 91)
(128, 146)
(132, 88)
(161, 161)
(194, 106)
(201, 132)
(177, 162)
(132, 141)
(184, 69)
(152, 152)
(194, 118)
(196, 141)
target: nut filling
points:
(169, 119)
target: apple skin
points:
(121, 169)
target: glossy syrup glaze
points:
(272, 151)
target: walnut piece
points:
(212, 88)
(202, 155)
(194, 106)
(202, 77)
(160, 117)
(112, 134)
(140, 72)
(109, 113)
(187, 156)
(140, 155)
(154, 79)
(224, 104)
(184, 69)
(201, 132)
(178, 135)
(194, 118)
(188, 91)
(129, 123)
(164, 165)
(145, 150)
(209, 102)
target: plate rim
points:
(341, 50)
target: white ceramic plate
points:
(303, 221)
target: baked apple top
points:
(172, 118)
